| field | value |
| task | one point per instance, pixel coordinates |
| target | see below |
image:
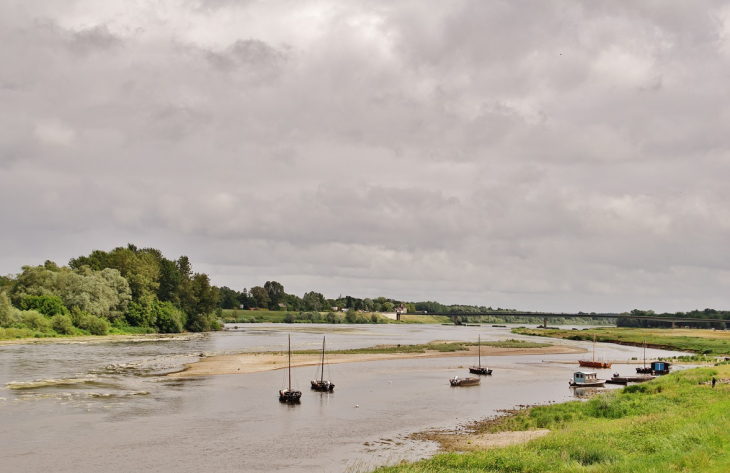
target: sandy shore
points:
(245, 363)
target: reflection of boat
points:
(586, 379)
(456, 381)
(321, 384)
(479, 369)
(644, 369)
(592, 363)
(289, 394)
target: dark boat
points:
(480, 369)
(322, 384)
(592, 363)
(618, 379)
(289, 394)
(644, 369)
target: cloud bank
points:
(552, 156)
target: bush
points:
(169, 319)
(97, 325)
(46, 305)
(9, 315)
(62, 324)
(35, 321)
(140, 314)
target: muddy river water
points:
(108, 406)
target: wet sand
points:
(245, 363)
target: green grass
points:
(673, 423)
(708, 342)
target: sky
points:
(553, 155)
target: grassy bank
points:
(709, 342)
(674, 423)
(434, 346)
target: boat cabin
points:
(585, 377)
(660, 367)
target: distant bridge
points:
(549, 315)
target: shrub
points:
(46, 305)
(9, 315)
(169, 319)
(62, 324)
(35, 321)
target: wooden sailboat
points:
(479, 369)
(471, 381)
(321, 384)
(592, 363)
(644, 369)
(289, 394)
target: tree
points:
(261, 296)
(46, 305)
(276, 294)
(229, 299)
(314, 301)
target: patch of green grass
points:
(708, 342)
(675, 423)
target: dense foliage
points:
(695, 314)
(126, 289)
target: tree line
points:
(124, 288)
(694, 314)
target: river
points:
(108, 406)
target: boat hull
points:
(289, 396)
(593, 384)
(324, 386)
(479, 370)
(594, 364)
(464, 381)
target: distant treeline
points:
(137, 290)
(695, 314)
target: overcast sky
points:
(550, 155)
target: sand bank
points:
(244, 363)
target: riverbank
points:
(701, 341)
(677, 422)
(245, 363)
(149, 337)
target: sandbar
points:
(246, 363)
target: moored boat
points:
(586, 379)
(592, 363)
(479, 369)
(470, 381)
(322, 384)
(289, 394)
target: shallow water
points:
(108, 406)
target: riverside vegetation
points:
(677, 422)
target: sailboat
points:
(289, 394)
(479, 369)
(321, 384)
(644, 369)
(592, 363)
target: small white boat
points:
(586, 379)
(471, 381)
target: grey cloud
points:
(562, 156)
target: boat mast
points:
(479, 345)
(321, 380)
(645, 353)
(594, 348)
(289, 363)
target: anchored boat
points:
(592, 363)
(471, 381)
(586, 379)
(479, 369)
(322, 384)
(289, 394)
